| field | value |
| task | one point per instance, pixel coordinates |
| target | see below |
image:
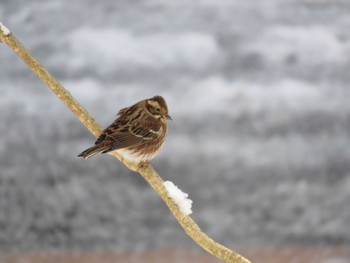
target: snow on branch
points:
(4, 29)
(179, 197)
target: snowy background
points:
(259, 94)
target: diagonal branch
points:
(148, 173)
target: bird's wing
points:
(131, 135)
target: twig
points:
(148, 173)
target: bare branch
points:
(148, 173)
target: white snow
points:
(288, 94)
(213, 93)
(218, 94)
(125, 50)
(179, 197)
(87, 89)
(307, 45)
(4, 29)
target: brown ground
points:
(283, 255)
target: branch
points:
(148, 173)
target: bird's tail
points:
(92, 151)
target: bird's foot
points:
(143, 164)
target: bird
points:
(137, 134)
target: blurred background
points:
(259, 95)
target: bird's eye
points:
(158, 109)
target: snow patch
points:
(87, 89)
(179, 197)
(217, 94)
(125, 50)
(285, 94)
(304, 45)
(4, 29)
(210, 94)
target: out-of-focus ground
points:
(259, 93)
(276, 255)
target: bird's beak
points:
(169, 117)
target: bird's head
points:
(158, 108)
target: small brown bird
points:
(137, 134)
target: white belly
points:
(135, 157)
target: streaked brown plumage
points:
(137, 134)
